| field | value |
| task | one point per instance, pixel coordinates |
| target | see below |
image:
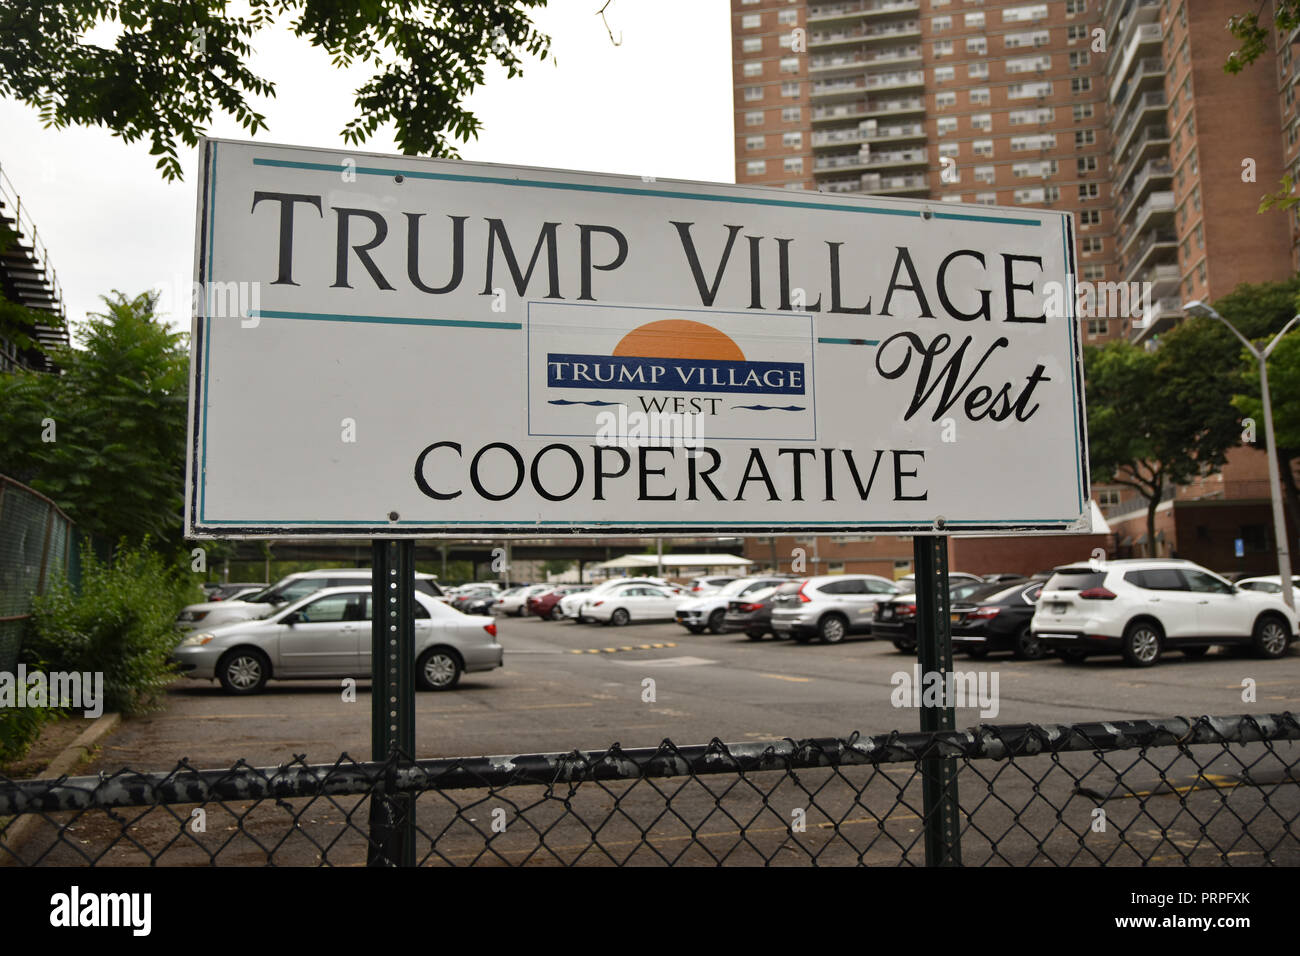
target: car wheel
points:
(695, 628)
(1028, 646)
(1071, 655)
(1141, 644)
(1196, 653)
(438, 668)
(620, 617)
(755, 635)
(243, 671)
(832, 628)
(978, 653)
(905, 645)
(1271, 636)
(716, 620)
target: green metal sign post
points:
(934, 652)
(392, 699)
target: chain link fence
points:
(37, 542)
(1173, 791)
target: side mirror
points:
(290, 619)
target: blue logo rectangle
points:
(567, 370)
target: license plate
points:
(886, 613)
(1057, 608)
(955, 618)
(781, 625)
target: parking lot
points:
(567, 686)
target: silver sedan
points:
(327, 635)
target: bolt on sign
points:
(394, 346)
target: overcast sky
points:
(659, 104)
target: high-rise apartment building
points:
(1118, 111)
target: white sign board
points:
(394, 346)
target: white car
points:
(702, 587)
(710, 611)
(327, 635)
(632, 602)
(1140, 608)
(1271, 584)
(285, 591)
(515, 601)
(572, 606)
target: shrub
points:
(121, 621)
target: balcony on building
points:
(1161, 316)
(1154, 172)
(1158, 247)
(1165, 280)
(1147, 110)
(868, 131)
(1157, 211)
(1146, 74)
(866, 109)
(861, 34)
(1152, 144)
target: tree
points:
(106, 439)
(1156, 419)
(173, 66)
(1254, 36)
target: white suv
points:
(1142, 607)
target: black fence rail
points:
(1170, 791)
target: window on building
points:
(1082, 111)
(979, 96)
(1086, 165)
(751, 21)
(1080, 84)
(756, 167)
(788, 17)
(982, 121)
(985, 174)
(945, 101)
(944, 74)
(1089, 191)
(753, 93)
(752, 44)
(755, 142)
(794, 164)
(753, 69)
(978, 71)
(754, 118)
(982, 147)
(790, 114)
(789, 64)
(790, 89)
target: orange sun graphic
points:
(679, 339)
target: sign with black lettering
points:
(396, 346)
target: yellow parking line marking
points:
(615, 650)
(797, 680)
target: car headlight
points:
(192, 615)
(197, 640)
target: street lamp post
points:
(1274, 479)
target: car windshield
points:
(761, 595)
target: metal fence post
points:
(392, 699)
(934, 654)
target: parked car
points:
(895, 617)
(702, 587)
(632, 602)
(1140, 608)
(908, 581)
(285, 591)
(543, 604)
(327, 635)
(574, 605)
(997, 619)
(235, 592)
(830, 607)
(753, 612)
(697, 614)
(1271, 584)
(479, 595)
(512, 601)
